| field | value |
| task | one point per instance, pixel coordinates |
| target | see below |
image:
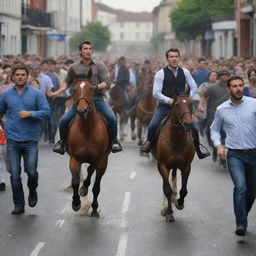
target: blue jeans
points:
(104, 109)
(242, 169)
(15, 151)
(161, 112)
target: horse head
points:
(83, 94)
(182, 112)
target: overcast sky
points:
(132, 5)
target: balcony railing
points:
(36, 18)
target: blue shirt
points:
(159, 80)
(11, 103)
(238, 122)
(201, 76)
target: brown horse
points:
(117, 103)
(174, 150)
(87, 142)
(143, 113)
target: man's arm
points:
(191, 82)
(158, 86)
(215, 134)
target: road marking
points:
(132, 175)
(59, 223)
(37, 249)
(126, 202)
(123, 222)
(121, 249)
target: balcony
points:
(35, 18)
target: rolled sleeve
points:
(215, 129)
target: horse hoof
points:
(179, 207)
(133, 137)
(139, 143)
(83, 191)
(164, 212)
(169, 218)
(76, 207)
(95, 214)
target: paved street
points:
(130, 224)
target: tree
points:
(192, 18)
(95, 32)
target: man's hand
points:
(221, 152)
(102, 86)
(24, 114)
(170, 101)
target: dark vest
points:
(170, 82)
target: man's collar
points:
(91, 62)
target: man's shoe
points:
(240, 230)
(116, 146)
(2, 186)
(60, 147)
(32, 198)
(202, 152)
(17, 211)
(145, 148)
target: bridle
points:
(180, 123)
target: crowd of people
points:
(210, 81)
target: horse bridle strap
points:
(90, 104)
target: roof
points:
(124, 16)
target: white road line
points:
(126, 202)
(59, 223)
(37, 249)
(123, 222)
(132, 175)
(121, 249)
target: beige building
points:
(131, 32)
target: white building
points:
(223, 44)
(10, 22)
(131, 32)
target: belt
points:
(251, 150)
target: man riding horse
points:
(169, 80)
(100, 79)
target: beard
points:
(237, 96)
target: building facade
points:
(10, 22)
(131, 32)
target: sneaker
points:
(59, 147)
(2, 186)
(32, 198)
(240, 231)
(17, 211)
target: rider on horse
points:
(100, 79)
(167, 81)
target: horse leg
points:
(84, 189)
(75, 168)
(96, 188)
(139, 131)
(132, 120)
(173, 181)
(183, 192)
(168, 213)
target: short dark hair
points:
(22, 67)
(172, 50)
(232, 78)
(201, 59)
(84, 42)
(250, 71)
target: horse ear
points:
(89, 74)
(187, 90)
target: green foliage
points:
(95, 32)
(192, 18)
